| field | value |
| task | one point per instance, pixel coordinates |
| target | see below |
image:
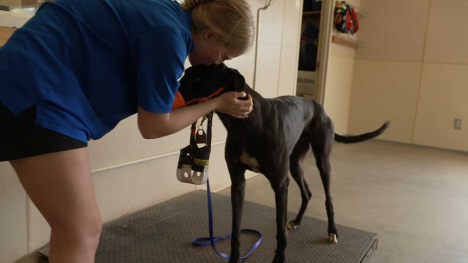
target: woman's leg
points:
(60, 185)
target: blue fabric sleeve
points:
(160, 63)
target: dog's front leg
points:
(237, 173)
(281, 196)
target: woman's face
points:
(208, 50)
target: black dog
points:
(274, 140)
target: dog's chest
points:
(250, 161)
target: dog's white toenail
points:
(291, 226)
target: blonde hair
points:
(230, 20)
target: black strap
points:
(193, 142)
(208, 134)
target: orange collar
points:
(179, 101)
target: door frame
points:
(325, 38)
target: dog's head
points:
(203, 81)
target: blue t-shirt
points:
(89, 64)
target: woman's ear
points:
(208, 35)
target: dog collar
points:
(179, 101)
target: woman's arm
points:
(156, 125)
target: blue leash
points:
(204, 241)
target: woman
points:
(77, 68)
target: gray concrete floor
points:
(414, 198)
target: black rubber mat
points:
(163, 233)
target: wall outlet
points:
(458, 124)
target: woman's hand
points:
(229, 103)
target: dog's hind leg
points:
(322, 143)
(296, 163)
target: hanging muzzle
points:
(192, 167)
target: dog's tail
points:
(362, 137)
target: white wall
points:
(412, 70)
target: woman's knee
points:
(93, 231)
(94, 228)
(86, 230)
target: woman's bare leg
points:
(61, 186)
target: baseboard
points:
(419, 146)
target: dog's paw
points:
(333, 238)
(292, 225)
(234, 258)
(279, 259)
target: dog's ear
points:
(236, 81)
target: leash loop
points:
(205, 241)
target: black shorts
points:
(21, 138)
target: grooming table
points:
(163, 233)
